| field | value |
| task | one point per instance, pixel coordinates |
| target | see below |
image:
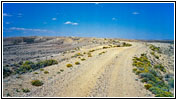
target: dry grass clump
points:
(83, 59)
(89, 54)
(91, 50)
(69, 65)
(77, 63)
(36, 73)
(153, 53)
(41, 69)
(147, 86)
(37, 83)
(46, 72)
(102, 53)
(77, 55)
(25, 90)
(151, 75)
(105, 47)
(61, 70)
(126, 44)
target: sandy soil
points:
(106, 75)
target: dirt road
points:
(106, 75)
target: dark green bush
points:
(147, 86)
(171, 82)
(151, 76)
(46, 72)
(30, 66)
(25, 90)
(6, 71)
(37, 83)
(69, 65)
(126, 44)
(154, 48)
(160, 66)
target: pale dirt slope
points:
(106, 75)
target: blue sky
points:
(110, 20)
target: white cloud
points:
(114, 18)
(54, 18)
(72, 23)
(25, 30)
(135, 13)
(68, 22)
(5, 14)
(7, 22)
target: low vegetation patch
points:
(156, 56)
(155, 49)
(77, 63)
(91, 50)
(83, 59)
(25, 90)
(46, 72)
(6, 71)
(28, 66)
(36, 73)
(61, 70)
(77, 55)
(150, 75)
(101, 53)
(126, 44)
(37, 83)
(105, 47)
(89, 54)
(69, 65)
(160, 67)
(41, 69)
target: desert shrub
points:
(151, 76)
(160, 66)
(83, 59)
(105, 47)
(89, 54)
(29, 66)
(17, 90)
(36, 73)
(147, 86)
(126, 44)
(154, 48)
(25, 90)
(61, 70)
(46, 72)
(156, 56)
(23, 69)
(41, 69)
(102, 53)
(6, 71)
(69, 65)
(160, 93)
(134, 69)
(58, 72)
(77, 63)
(138, 72)
(171, 82)
(76, 55)
(37, 83)
(91, 50)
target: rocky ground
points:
(106, 73)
